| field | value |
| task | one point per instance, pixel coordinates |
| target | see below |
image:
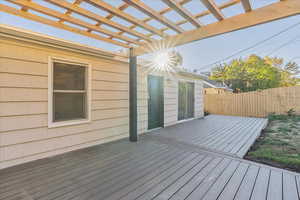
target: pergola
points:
(106, 29)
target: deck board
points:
(204, 187)
(221, 182)
(289, 187)
(234, 183)
(275, 186)
(158, 167)
(246, 187)
(298, 185)
(261, 185)
(188, 188)
(228, 134)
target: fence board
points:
(254, 104)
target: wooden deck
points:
(224, 134)
(157, 167)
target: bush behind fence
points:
(254, 104)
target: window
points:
(69, 93)
(186, 95)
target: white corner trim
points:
(52, 124)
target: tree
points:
(254, 72)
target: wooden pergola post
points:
(133, 137)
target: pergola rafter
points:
(175, 5)
(76, 9)
(213, 8)
(163, 11)
(57, 24)
(69, 12)
(154, 14)
(247, 6)
(68, 18)
(141, 41)
(117, 12)
(197, 16)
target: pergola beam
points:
(56, 14)
(262, 15)
(165, 10)
(154, 14)
(69, 12)
(175, 5)
(57, 24)
(213, 8)
(247, 6)
(98, 18)
(117, 12)
(202, 14)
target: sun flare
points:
(165, 61)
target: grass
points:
(279, 144)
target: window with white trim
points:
(69, 93)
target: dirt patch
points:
(279, 144)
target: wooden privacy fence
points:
(254, 104)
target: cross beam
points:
(213, 8)
(175, 5)
(154, 14)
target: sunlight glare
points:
(165, 61)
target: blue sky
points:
(196, 54)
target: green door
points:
(185, 100)
(155, 102)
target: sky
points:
(196, 55)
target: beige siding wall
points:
(142, 101)
(171, 100)
(24, 132)
(199, 103)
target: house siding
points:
(24, 132)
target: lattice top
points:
(115, 22)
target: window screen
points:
(69, 92)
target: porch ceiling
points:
(72, 16)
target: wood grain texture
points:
(254, 104)
(262, 15)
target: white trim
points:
(52, 124)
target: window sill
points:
(68, 123)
